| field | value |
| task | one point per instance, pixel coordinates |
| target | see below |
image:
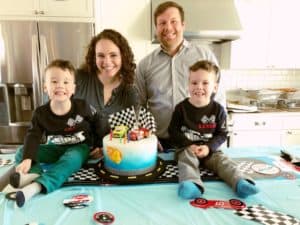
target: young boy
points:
(198, 129)
(68, 125)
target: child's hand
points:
(160, 147)
(201, 151)
(24, 166)
(96, 153)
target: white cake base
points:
(129, 158)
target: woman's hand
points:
(24, 166)
(96, 153)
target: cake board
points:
(255, 167)
(166, 171)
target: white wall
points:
(131, 18)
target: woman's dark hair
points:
(128, 65)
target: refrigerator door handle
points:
(36, 81)
(44, 54)
(44, 60)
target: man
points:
(162, 76)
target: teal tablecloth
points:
(156, 204)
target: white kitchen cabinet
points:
(290, 137)
(244, 138)
(291, 130)
(47, 9)
(264, 129)
(270, 37)
(19, 8)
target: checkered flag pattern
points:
(265, 216)
(84, 174)
(125, 117)
(146, 120)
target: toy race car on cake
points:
(231, 204)
(120, 131)
(135, 134)
(138, 134)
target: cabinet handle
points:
(41, 12)
(263, 123)
(36, 12)
(289, 132)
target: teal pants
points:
(64, 161)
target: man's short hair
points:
(161, 8)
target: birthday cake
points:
(131, 147)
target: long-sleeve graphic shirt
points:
(80, 125)
(198, 125)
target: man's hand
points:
(201, 151)
(24, 166)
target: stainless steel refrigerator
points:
(26, 47)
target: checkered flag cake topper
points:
(146, 120)
(124, 117)
(127, 117)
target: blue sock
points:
(244, 188)
(189, 190)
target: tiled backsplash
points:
(258, 79)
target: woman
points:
(106, 78)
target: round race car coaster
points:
(105, 218)
(264, 168)
(143, 178)
(78, 201)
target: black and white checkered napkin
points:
(127, 117)
(265, 216)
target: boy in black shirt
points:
(68, 125)
(198, 129)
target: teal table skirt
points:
(154, 204)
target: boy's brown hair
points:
(164, 6)
(207, 66)
(62, 64)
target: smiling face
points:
(169, 28)
(108, 58)
(59, 84)
(202, 84)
